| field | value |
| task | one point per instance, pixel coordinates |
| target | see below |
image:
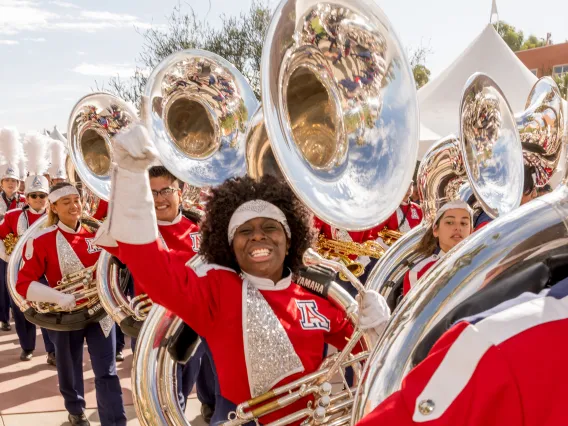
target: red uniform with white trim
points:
(41, 254)
(18, 201)
(212, 300)
(508, 366)
(405, 217)
(413, 275)
(17, 222)
(181, 235)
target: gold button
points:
(426, 407)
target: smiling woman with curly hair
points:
(263, 329)
(226, 198)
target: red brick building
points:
(547, 60)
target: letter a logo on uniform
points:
(195, 241)
(92, 248)
(311, 318)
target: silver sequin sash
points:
(22, 225)
(269, 354)
(68, 260)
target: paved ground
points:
(29, 393)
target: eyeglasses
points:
(164, 192)
(40, 196)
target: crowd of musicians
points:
(243, 301)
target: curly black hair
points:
(227, 197)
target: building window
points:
(535, 72)
(560, 70)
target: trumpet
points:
(341, 250)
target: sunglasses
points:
(40, 196)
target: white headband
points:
(457, 204)
(62, 192)
(253, 209)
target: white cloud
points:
(81, 53)
(9, 42)
(36, 40)
(107, 70)
(64, 4)
(22, 15)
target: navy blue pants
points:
(120, 342)
(4, 295)
(102, 351)
(27, 332)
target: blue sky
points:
(52, 51)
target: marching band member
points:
(407, 216)
(10, 156)
(529, 194)
(181, 235)
(15, 224)
(243, 301)
(65, 247)
(452, 224)
(502, 367)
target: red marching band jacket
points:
(405, 217)
(262, 335)
(507, 366)
(413, 275)
(54, 252)
(19, 201)
(17, 221)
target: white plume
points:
(35, 146)
(57, 156)
(10, 146)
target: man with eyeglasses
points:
(16, 223)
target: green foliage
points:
(562, 83)
(515, 39)
(238, 39)
(419, 69)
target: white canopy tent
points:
(439, 100)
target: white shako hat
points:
(57, 155)
(35, 146)
(10, 152)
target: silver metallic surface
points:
(196, 109)
(259, 156)
(530, 230)
(112, 298)
(68, 260)
(492, 154)
(541, 127)
(340, 108)
(16, 262)
(94, 121)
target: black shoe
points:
(119, 357)
(26, 355)
(207, 412)
(78, 420)
(5, 326)
(51, 359)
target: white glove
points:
(374, 313)
(38, 292)
(133, 149)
